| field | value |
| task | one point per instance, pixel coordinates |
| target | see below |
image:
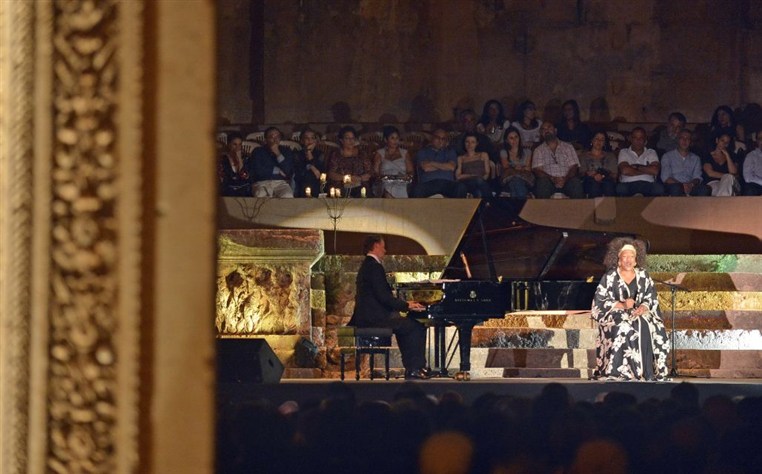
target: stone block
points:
(318, 281)
(542, 358)
(533, 338)
(318, 317)
(720, 340)
(719, 359)
(546, 373)
(317, 299)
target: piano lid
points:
(520, 250)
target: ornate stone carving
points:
(261, 298)
(93, 335)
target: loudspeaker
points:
(247, 361)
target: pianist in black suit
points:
(376, 306)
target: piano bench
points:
(370, 341)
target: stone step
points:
(708, 281)
(720, 373)
(546, 373)
(714, 319)
(731, 339)
(533, 338)
(541, 358)
(684, 319)
(715, 359)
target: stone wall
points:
(419, 60)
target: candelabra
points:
(336, 202)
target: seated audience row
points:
(472, 165)
(417, 432)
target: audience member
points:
(555, 165)
(349, 169)
(473, 168)
(570, 128)
(271, 167)
(598, 168)
(638, 168)
(447, 452)
(720, 168)
(467, 124)
(393, 166)
(231, 169)
(497, 433)
(435, 168)
(492, 122)
(752, 170)
(309, 166)
(667, 140)
(528, 125)
(681, 170)
(516, 175)
(724, 122)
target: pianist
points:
(632, 343)
(376, 306)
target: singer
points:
(632, 343)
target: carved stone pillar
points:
(105, 345)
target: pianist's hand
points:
(415, 306)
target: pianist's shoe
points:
(419, 374)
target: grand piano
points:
(502, 265)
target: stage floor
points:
(304, 390)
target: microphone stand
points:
(673, 287)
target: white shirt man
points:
(638, 168)
(752, 170)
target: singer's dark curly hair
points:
(612, 255)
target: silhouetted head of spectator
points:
(619, 400)
(686, 395)
(390, 130)
(492, 112)
(570, 109)
(750, 411)
(720, 412)
(446, 452)
(723, 117)
(467, 120)
(601, 456)
(527, 113)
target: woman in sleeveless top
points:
(473, 168)
(720, 169)
(392, 166)
(528, 125)
(515, 166)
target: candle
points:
(308, 191)
(362, 192)
(347, 179)
(332, 192)
(323, 178)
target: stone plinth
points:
(263, 285)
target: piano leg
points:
(440, 351)
(465, 346)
